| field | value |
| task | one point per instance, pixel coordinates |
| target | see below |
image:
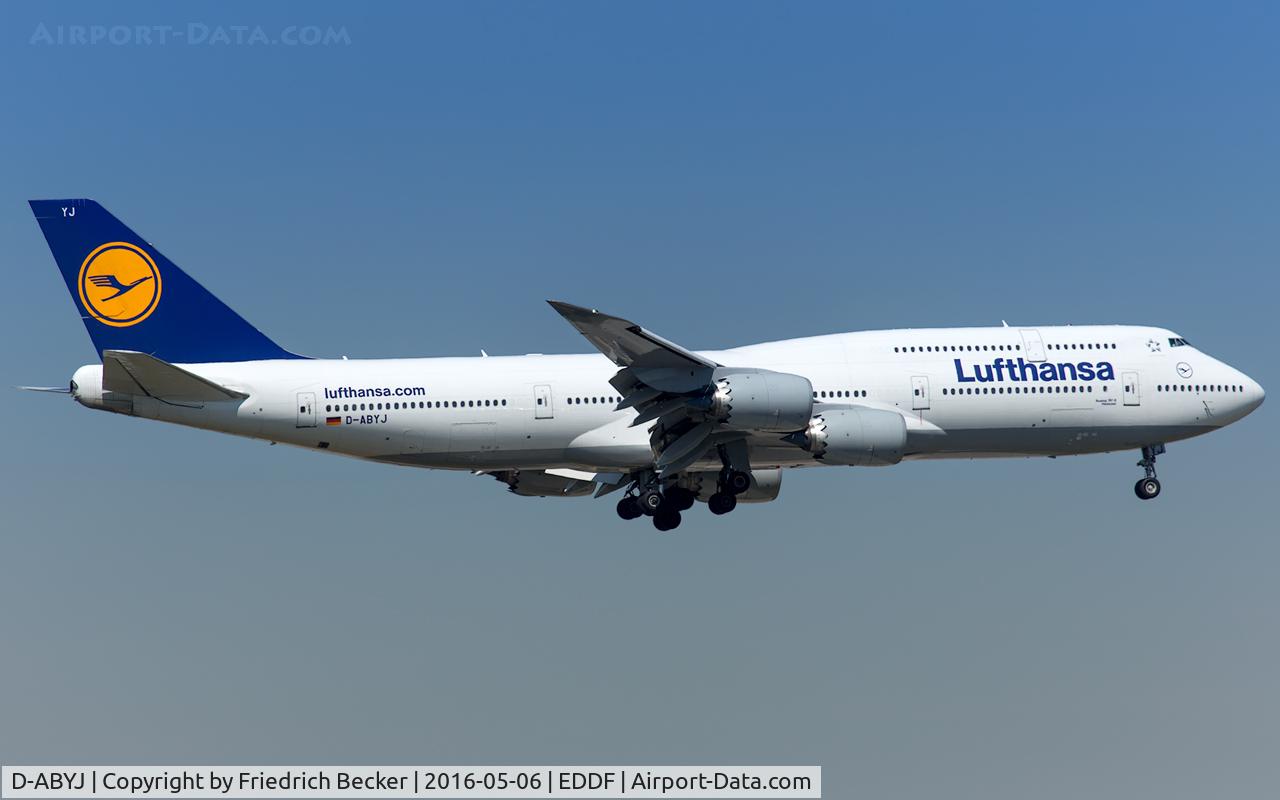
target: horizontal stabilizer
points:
(129, 372)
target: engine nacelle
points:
(536, 483)
(762, 401)
(765, 485)
(855, 437)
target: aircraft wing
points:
(669, 386)
(626, 343)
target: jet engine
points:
(854, 437)
(765, 485)
(762, 401)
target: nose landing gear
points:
(1148, 488)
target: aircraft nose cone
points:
(1254, 394)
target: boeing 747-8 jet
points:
(663, 424)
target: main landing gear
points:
(731, 484)
(665, 505)
(1149, 487)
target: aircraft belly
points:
(1049, 440)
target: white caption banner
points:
(120, 782)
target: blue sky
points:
(721, 173)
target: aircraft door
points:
(542, 408)
(919, 392)
(410, 442)
(1132, 391)
(306, 409)
(1032, 344)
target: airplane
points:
(665, 425)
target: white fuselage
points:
(963, 392)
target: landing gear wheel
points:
(1147, 488)
(680, 499)
(737, 482)
(666, 520)
(629, 508)
(722, 503)
(650, 501)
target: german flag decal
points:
(333, 420)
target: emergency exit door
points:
(1032, 344)
(306, 409)
(919, 392)
(1132, 391)
(542, 408)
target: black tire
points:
(650, 501)
(722, 503)
(1147, 488)
(738, 482)
(680, 499)
(629, 508)
(666, 520)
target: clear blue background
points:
(722, 173)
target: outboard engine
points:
(762, 401)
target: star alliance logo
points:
(1153, 345)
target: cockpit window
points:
(1179, 342)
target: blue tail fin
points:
(133, 298)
